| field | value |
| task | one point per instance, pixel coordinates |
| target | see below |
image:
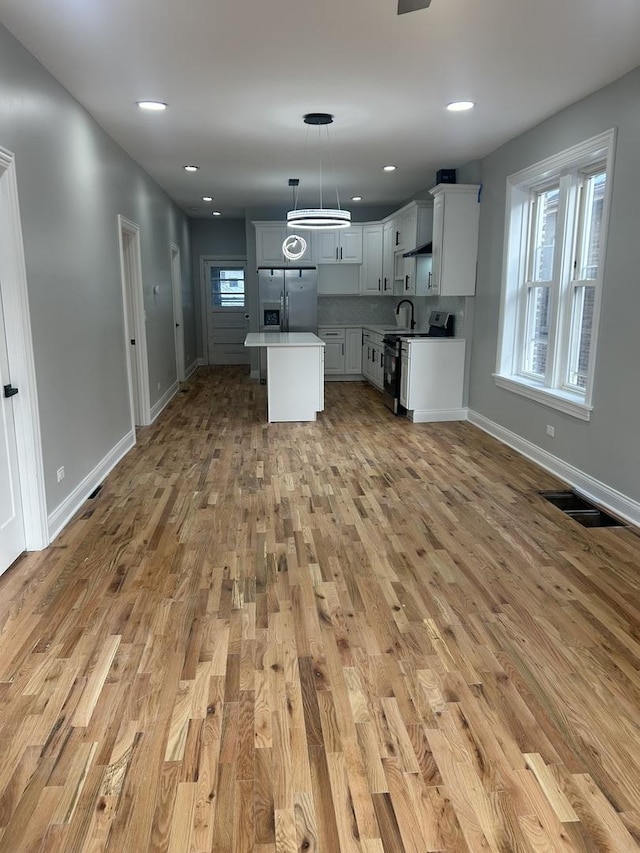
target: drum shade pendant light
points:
(317, 218)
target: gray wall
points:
(73, 180)
(606, 447)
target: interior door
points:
(12, 535)
(227, 315)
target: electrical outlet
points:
(551, 431)
(60, 473)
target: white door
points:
(12, 535)
(227, 315)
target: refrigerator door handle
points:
(283, 319)
(286, 311)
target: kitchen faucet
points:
(402, 301)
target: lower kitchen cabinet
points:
(432, 379)
(373, 358)
(353, 351)
(342, 352)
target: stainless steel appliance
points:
(288, 302)
(441, 325)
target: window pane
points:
(589, 241)
(537, 331)
(544, 234)
(227, 287)
(580, 340)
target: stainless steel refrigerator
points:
(288, 302)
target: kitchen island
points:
(295, 374)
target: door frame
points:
(13, 274)
(178, 317)
(134, 321)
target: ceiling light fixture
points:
(207, 198)
(317, 218)
(356, 198)
(191, 168)
(389, 168)
(460, 106)
(216, 213)
(152, 106)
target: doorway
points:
(135, 332)
(23, 514)
(178, 327)
(227, 317)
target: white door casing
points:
(178, 325)
(12, 536)
(23, 455)
(134, 322)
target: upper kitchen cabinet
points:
(339, 246)
(456, 215)
(388, 256)
(269, 239)
(371, 270)
(412, 225)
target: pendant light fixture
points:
(317, 218)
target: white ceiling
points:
(239, 75)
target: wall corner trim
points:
(63, 513)
(598, 492)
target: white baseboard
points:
(202, 362)
(63, 513)
(255, 374)
(164, 401)
(191, 369)
(343, 377)
(596, 491)
(423, 416)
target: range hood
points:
(424, 249)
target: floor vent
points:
(95, 492)
(582, 510)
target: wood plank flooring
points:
(360, 635)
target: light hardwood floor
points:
(355, 635)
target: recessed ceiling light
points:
(207, 198)
(191, 168)
(152, 106)
(356, 198)
(460, 106)
(216, 213)
(389, 168)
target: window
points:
(556, 217)
(227, 287)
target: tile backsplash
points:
(376, 310)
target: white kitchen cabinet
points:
(432, 379)
(269, 239)
(388, 257)
(405, 285)
(343, 350)
(334, 339)
(353, 351)
(339, 245)
(373, 358)
(456, 216)
(413, 225)
(371, 270)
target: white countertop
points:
(282, 339)
(416, 341)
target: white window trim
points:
(519, 185)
